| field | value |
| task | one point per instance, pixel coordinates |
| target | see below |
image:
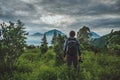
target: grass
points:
(33, 65)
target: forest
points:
(19, 61)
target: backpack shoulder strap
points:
(71, 39)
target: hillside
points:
(100, 42)
(103, 40)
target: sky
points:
(101, 16)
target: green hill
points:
(99, 42)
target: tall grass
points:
(33, 65)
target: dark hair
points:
(72, 33)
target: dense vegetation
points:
(12, 43)
(33, 65)
(47, 63)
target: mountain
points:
(100, 42)
(103, 40)
(49, 35)
(94, 35)
(37, 34)
(35, 39)
(51, 32)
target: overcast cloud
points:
(65, 15)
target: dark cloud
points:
(30, 11)
(8, 8)
(111, 23)
(100, 23)
(65, 6)
(80, 7)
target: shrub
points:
(47, 73)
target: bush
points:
(12, 44)
(24, 66)
(94, 67)
(47, 73)
(49, 55)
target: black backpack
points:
(72, 46)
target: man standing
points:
(72, 50)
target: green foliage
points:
(99, 66)
(44, 43)
(54, 39)
(47, 73)
(23, 66)
(32, 64)
(113, 42)
(58, 49)
(12, 44)
(114, 37)
(49, 57)
(83, 36)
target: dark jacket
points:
(66, 43)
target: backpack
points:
(72, 46)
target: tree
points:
(44, 43)
(54, 39)
(83, 36)
(113, 41)
(58, 48)
(12, 44)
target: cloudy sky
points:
(42, 15)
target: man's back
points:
(71, 49)
(72, 46)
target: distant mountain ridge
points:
(35, 39)
(48, 33)
(37, 34)
(96, 39)
(51, 32)
(94, 35)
